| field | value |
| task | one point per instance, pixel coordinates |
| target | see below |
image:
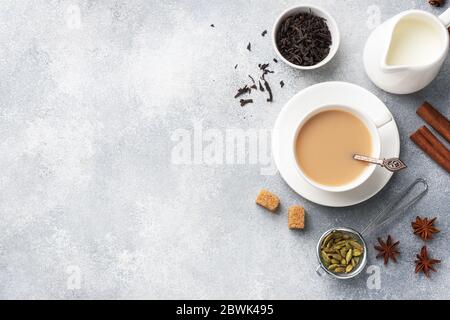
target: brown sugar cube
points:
(268, 200)
(296, 218)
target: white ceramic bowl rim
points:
(332, 25)
(376, 147)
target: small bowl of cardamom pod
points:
(342, 253)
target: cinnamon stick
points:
(430, 148)
(435, 119)
(435, 142)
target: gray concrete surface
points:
(95, 203)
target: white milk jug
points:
(404, 54)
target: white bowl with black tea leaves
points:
(305, 37)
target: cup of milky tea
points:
(326, 140)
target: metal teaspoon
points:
(392, 164)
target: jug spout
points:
(389, 62)
(416, 42)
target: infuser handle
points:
(394, 208)
(319, 270)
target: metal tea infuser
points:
(389, 213)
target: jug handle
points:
(445, 17)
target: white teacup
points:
(371, 124)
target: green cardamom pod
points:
(334, 261)
(325, 256)
(327, 240)
(356, 245)
(333, 266)
(339, 270)
(349, 255)
(335, 256)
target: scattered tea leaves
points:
(267, 86)
(264, 33)
(245, 102)
(262, 85)
(249, 47)
(253, 86)
(242, 91)
(275, 60)
(253, 80)
(261, 88)
(265, 70)
(282, 83)
(212, 25)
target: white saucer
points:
(327, 93)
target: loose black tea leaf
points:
(275, 60)
(235, 66)
(282, 83)
(263, 76)
(264, 69)
(245, 101)
(242, 91)
(264, 33)
(304, 39)
(249, 47)
(254, 83)
(261, 88)
(213, 26)
(266, 84)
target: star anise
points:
(424, 228)
(424, 263)
(388, 250)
